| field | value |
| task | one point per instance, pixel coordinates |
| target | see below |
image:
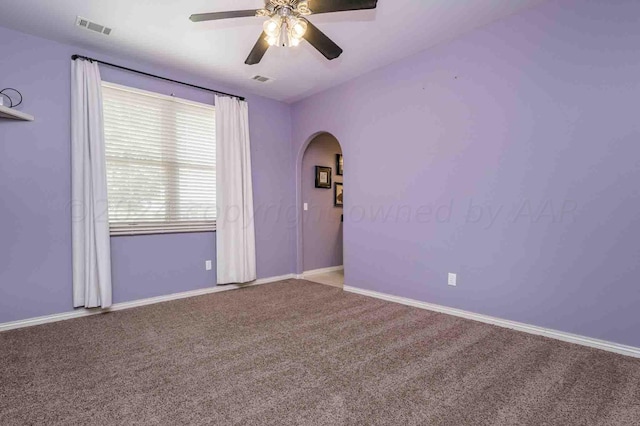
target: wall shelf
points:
(6, 112)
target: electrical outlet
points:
(453, 279)
(207, 265)
(306, 207)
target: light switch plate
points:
(306, 206)
(207, 265)
(453, 279)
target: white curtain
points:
(90, 220)
(235, 233)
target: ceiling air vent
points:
(261, 79)
(92, 26)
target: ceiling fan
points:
(287, 26)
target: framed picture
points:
(323, 177)
(338, 200)
(339, 164)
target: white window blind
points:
(161, 162)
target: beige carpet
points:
(303, 353)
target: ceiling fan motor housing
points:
(285, 8)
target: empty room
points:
(176, 247)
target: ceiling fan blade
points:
(328, 6)
(320, 41)
(199, 17)
(258, 50)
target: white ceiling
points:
(159, 31)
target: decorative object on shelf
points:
(338, 195)
(339, 165)
(7, 103)
(323, 177)
(4, 94)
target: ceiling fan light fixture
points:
(285, 31)
(272, 27)
(298, 27)
(272, 40)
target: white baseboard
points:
(320, 271)
(78, 313)
(532, 329)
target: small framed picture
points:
(323, 177)
(338, 199)
(339, 164)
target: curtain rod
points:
(74, 57)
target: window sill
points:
(184, 229)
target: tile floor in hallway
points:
(333, 278)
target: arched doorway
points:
(320, 219)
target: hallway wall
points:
(322, 229)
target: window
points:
(161, 162)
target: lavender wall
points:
(35, 234)
(322, 229)
(510, 156)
